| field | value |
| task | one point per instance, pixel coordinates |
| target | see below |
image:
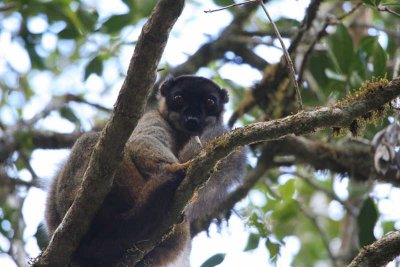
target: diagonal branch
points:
(341, 115)
(275, 76)
(379, 253)
(108, 151)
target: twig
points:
(320, 34)
(7, 7)
(331, 194)
(28, 165)
(322, 233)
(233, 5)
(268, 84)
(312, 218)
(17, 250)
(79, 99)
(10, 181)
(57, 103)
(286, 53)
(386, 9)
(309, 17)
(287, 56)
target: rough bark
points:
(341, 115)
(107, 153)
(378, 253)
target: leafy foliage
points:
(214, 260)
(81, 48)
(366, 222)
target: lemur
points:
(190, 107)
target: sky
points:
(183, 42)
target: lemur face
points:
(193, 102)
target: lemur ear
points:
(224, 96)
(166, 84)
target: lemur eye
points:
(210, 103)
(178, 99)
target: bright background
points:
(193, 28)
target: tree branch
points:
(216, 48)
(378, 253)
(351, 157)
(340, 115)
(108, 151)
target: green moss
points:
(338, 131)
(375, 117)
(366, 88)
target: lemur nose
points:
(192, 124)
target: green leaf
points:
(340, 47)
(366, 222)
(287, 24)
(363, 54)
(252, 242)
(273, 248)
(89, 19)
(287, 190)
(370, 51)
(258, 223)
(317, 64)
(144, 8)
(391, 47)
(367, 45)
(129, 3)
(214, 260)
(116, 23)
(371, 2)
(285, 211)
(388, 226)
(25, 141)
(36, 60)
(94, 66)
(41, 236)
(57, 10)
(379, 61)
(68, 114)
(70, 32)
(223, 2)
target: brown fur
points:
(143, 188)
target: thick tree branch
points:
(311, 14)
(6, 180)
(18, 135)
(351, 157)
(340, 115)
(51, 140)
(108, 151)
(35, 139)
(378, 253)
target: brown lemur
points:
(144, 185)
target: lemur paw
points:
(178, 168)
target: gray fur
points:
(230, 173)
(142, 189)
